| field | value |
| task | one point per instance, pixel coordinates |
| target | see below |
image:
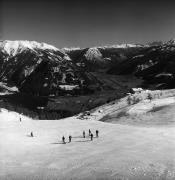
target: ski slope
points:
(120, 152)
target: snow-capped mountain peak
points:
(14, 47)
(171, 42)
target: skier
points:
(97, 133)
(63, 139)
(70, 138)
(20, 119)
(91, 136)
(31, 134)
(89, 132)
(83, 134)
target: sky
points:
(86, 23)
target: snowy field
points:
(120, 152)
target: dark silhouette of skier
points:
(31, 134)
(92, 137)
(89, 132)
(97, 133)
(70, 138)
(20, 119)
(83, 134)
(63, 139)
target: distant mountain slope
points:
(39, 68)
(64, 82)
(103, 58)
(154, 63)
(42, 69)
(15, 47)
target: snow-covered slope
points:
(121, 152)
(93, 54)
(14, 47)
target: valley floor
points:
(120, 152)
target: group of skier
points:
(63, 139)
(84, 136)
(70, 137)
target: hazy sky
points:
(84, 23)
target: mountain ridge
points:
(21, 59)
(69, 81)
(23, 62)
(17, 46)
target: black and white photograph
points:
(87, 90)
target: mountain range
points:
(39, 68)
(72, 80)
(153, 63)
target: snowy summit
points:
(14, 47)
